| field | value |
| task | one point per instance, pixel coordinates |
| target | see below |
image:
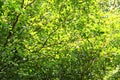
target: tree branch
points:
(48, 38)
(22, 4)
(30, 4)
(45, 42)
(13, 25)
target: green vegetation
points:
(59, 40)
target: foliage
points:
(59, 40)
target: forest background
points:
(59, 40)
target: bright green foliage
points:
(59, 40)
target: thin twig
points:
(45, 42)
(48, 38)
(29, 4)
